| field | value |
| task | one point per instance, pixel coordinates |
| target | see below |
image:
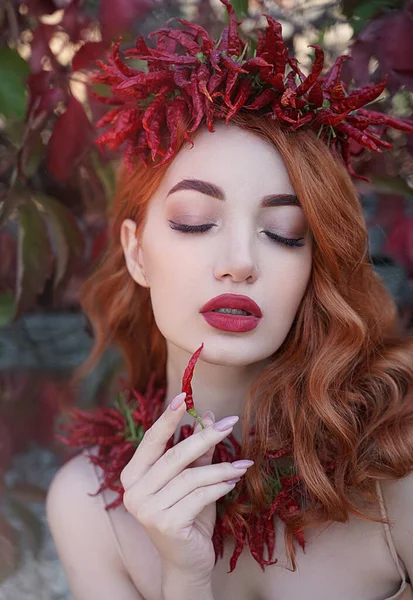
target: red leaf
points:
(389, 39)
(87, 54)
(117, 16)
(41, 7)
(40, 47)
(71, 138)
(74, 21)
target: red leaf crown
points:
(216, 79)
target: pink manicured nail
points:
(226, 423)
(234, 480)
(177, 401)
(242, 464)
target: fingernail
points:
(177, 401)
(208, 418)
(233, 480)
(242, 464)
(226, 423)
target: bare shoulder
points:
(398, 498)
(81, 531)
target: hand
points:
(173, 494)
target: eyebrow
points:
(210, 189)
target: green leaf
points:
(241, 8)
(13, 73)
(33, 257)
(33, 525)
(65, 234)
(6, 308)
(364, 12)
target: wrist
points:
(178, 584)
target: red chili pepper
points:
(345, 152)
(181, 37)
(231, 65)
(197, 104)
(216, 80)
(186, 382)
(357, 135)
(148, 79)
(174, 112)
(359, 98)
(191, 61)
(181, 77)
(316, 69)
(153, 107)
(203, 76)
(239, 545)
(327, 117)
(235, 45)
(243, 93)
(215, 57)
(209, 114)
(377, 118)
(273, 46)
(262, 100)
(153, 135)
(333, 84)
(208, 44)
(315, 95)
(253, 63)
(116, 60)
(229, 84)
(293, 62)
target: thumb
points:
(208, 419)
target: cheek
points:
(289, 282)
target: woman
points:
(309, 363)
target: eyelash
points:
(291, 242)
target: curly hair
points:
(340, 386)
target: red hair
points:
(340, 386)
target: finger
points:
(177, 458)
(184, 513)
(208, 419)
(153, 443)
(190, 479)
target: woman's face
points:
(223, 182)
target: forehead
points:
(233, 158)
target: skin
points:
(185, 270)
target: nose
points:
(235, 259)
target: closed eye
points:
(297, 242)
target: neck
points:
(222, 389)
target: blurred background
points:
(56, 187)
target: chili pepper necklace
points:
(118, 430)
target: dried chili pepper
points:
(197, 104)
(265, 98)
(333, 84)
(316, 69)
(377, 118)
(359, 98)
(182, 38)
(203, 76)
(240, 99)
(208, 44)
(186, 383)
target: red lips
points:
(236, 301)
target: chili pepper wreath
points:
(216, 79)
(117, 432)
